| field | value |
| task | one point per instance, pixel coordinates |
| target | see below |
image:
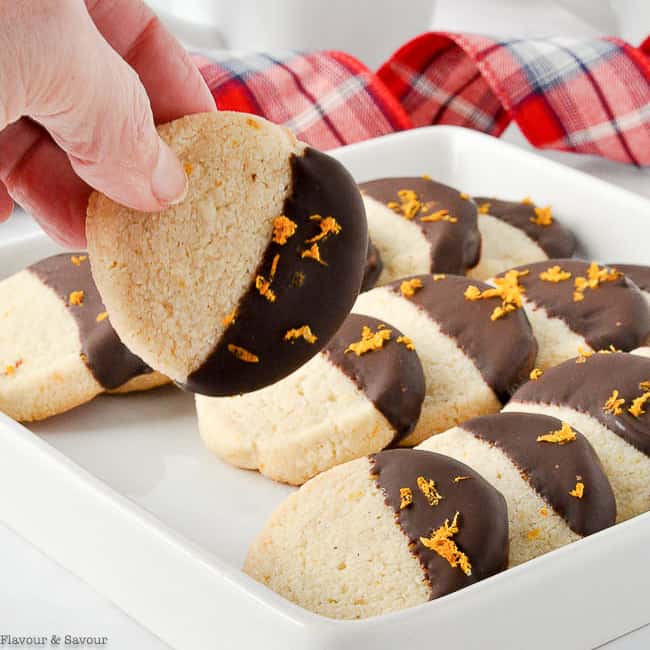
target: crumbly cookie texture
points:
(206, 290)
(58, 349)
(380, 534)
(363, 392)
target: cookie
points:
(420, 226)
(57, 346)
(251, 274)
(363, 392)
(606, 396)
(474, 352)
(515, 233)
(574, 305)
(382, 533)
(552, 480)
(640, 275)
(374, 267)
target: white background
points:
(37, 597)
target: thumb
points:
(97, 110)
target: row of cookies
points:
(568, 456)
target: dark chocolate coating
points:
(503, 350)
(585, 387)
(374, 267)
(639, 274)
(110, 361)
(391, 377)
(555, 240)
(455, 247)
(307, 292)
(551, 469)
(483, 519)
(614, 313)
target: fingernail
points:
(169, 182)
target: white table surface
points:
(39, 598)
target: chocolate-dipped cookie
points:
(382, 533)
(475, 349)
(518, 232)
(251, 274)
(363, 392)
(374, 267)
(420, 226)
(57, 346)
(552, 480)
(606, 396)
(574, 306)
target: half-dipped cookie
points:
(576, 306)
(58, 348)
(363, 392)
(475, 349)
(421, 226)
(518, 232)
(251, 274)
(551, 478)
(606, 396)
(382, 533)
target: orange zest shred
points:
(303, 332)
(409, 204)
(439, 215)
(535, 374)
(12, 367)
(438, 276)
(102, 316)
(527, 200)
(543, 216)
(78, 259)
(583, 355)
(230, 318)
(76, 298)
(614, 404)
(507, 288)
(263, 285)
(283, 229)
(644, 386)
(409, 287)
(555, 274)
(638, 403)
(559, 437)
(543, 512)
(484, 208)
(406, 342)
(405, 497)
(533, 534)
(595, 277)
(313, 252)
(370, 341)
(243, 354)
(328, 226)
(426, 177)
(428, 488)
(458, 479)
(578, 491)
(440, 541)
(464, 195)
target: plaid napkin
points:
(583, 95)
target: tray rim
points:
(307, 626)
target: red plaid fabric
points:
(587, 96)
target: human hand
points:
(75, 115)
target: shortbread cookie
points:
(251, 274)
(606, 396)
(420, 226)
(57, 347)
(574, 306)
(552, 480)
(363, 392)
(475, 351)
(374, 267)
(383, 533)
(515, 233)
(640, 275)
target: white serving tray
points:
(122, 492)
